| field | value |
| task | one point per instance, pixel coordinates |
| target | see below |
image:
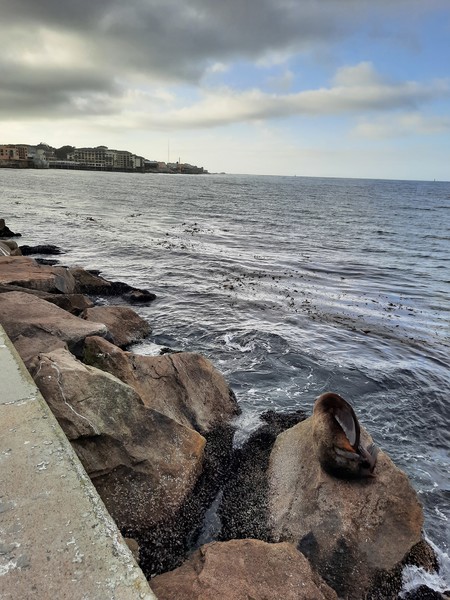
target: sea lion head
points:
(337, 439)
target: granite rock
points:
(123, 323)
(184, 386)
(243, 570)
(35, 325)
(26, 272)
(143, 464)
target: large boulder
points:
(7, 287)
(26, 272)
(243, 570)
(89, 283)
(35, 325)
(351, 530)
(184, 386)
(123, 323)
(73, 303)
(143, 464)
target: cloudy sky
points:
(347, 88)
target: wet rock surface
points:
(5, 231)
(425, 593)
(388, 584)
(91, 283)
(41, 249)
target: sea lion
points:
(337, 437)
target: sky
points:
(333, 88)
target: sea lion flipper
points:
(347, 454)
(369, 455)
(348, 424)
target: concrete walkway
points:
(57, 541)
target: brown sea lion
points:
(337, 437)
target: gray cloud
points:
(62, 55)
(172, 39)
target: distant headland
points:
(100, 158)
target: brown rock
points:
(184, 386)
(92, 283)
(143, 464)
(124, 324)
(87, 283)
(349, 529)
(26, 272)
(243, 570)
(73, 303)
(140, 296)
(35, 325)
(5, 287)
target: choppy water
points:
(291, 286)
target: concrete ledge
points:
(57, 539)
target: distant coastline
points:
(100, 158)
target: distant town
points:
(100, 158)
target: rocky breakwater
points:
(308, 507)
(148, 430)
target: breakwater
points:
(57, 360)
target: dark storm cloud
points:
(102, 44)
(176, 39)
(35, 89)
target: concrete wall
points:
(56, 538)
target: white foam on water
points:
(413, 576)
(246, 424)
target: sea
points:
(291, 286)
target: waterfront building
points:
(104, 158)
(13, 152)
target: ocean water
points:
(292, 286)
